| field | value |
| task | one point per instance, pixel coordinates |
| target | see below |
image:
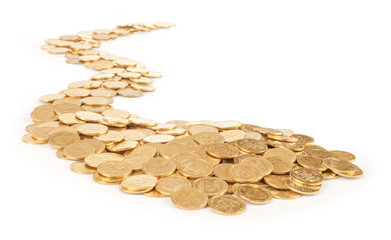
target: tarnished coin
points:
(212, 186)
(169, 185)
(227, 205)
(188, 198)
(253, 193)
(221, 150)
(245, 173)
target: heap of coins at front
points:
(196, 163)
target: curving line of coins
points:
(196, 163)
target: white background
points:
(321, 68)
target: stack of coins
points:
(220, 164)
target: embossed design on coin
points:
(253, 193)
(227, 205)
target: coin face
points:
(221, 150)
(245, 173)
(276, 181)
(195, 168)
(81, 168)
(114, 169)
(306, 176)
(92, 129)
(136, 161)
(302, 189)
(284, 194)
(188, 198)
(138, 183)
(253, 193)
(227, 205)
(311, 162)
(279, 166)
(78, 150)
(159, 167)
(222, 171)
(212, 186)
(303, 139)
(261, 163)
(208, 138)
(251, 146)
(282, 153)
(94, 160)
(336, 165)
(169, 185)
(342, 155)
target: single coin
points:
(154, 194)
(303, 139)
(279, 166)
(103, 92)
(97, 101)
(221, 150)
(194, 129)
(94, 160)
(212, 186)
(306, 176)
(251, 146)
(319, 153)
(28, 138)
(339, 166)
(89, 116)
(261, 163)
(98, 145)
(222, 170)
(302, 189)
(136, 161)
(329, 175)
(78, 150)
(51, 97)
(159, 167)
(228, 124)
(227, 205)
(134, 134)
(284, 194)
(241, 157)
(138, 183)
(60, 139)
(208, 138)
(253, 135)
(245, 173)
(188, 198)
(283, 153)
(252, 193)
(193, 168)
(311, 162)
(283, 138)
(122, 146)
(111, 137)
(69, 118)
(232, 135)
(356, 174)
(168, 185)
(81, 168)
(158, 138)
(171, 149)
(105, 180)
(276, 181)
(92, 129)
(116, 113)
(41, 133)
(44, 113)
(313, 147)
(342, 155)
(114, 169)
(143, 150)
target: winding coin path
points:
(222, 164)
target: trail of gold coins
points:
(197, 163)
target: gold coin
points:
(168, 185)
(104, 180)
(228, 124)
(261, 163)
(41, 133)
(142, 87)
(276, 181)
(283, 138)
(222, 170)
(154, 194)
(202, 128)
(159, 167)
(319, 153)
(200, 152)
(94, 160)
(221, 150)
(342, 155)
(138, 183)
(136, 161)
(66, 108)
(227, 205)
(97, 101)
(208, 138)
(212, 186)
(31, 127)
(103, 92)
(44, 113)
(174, 132)
(142, 121)
(188, 198)
(51, 97)
(303, 139)
(245, 173)
(253, 135)
(111, 137)
(251, 146)
(284, 194)
(98, 145)
(115, 85)
(291, 146)
(338, 166)
(279, 166)
(356, 174)
(329, 175)
(143, 150)
(306, 176)
(81, 168)
(96, 109)
(28, 138)
(92, 129)
(253, 193)
(192, 168)
(116, 113)
(89, 116)
(313, 147)
(158, 138)
(170, 149)
(315, 163)
(232, 135)
(134, 134)
(78, 150)
(302, 189)
(129, 92)
(61, 138)
(114, 169)
(69, 118)
(100, 64)
(122, 146)
(284, 154)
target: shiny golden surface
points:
(187, 160)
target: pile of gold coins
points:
(197, 163)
